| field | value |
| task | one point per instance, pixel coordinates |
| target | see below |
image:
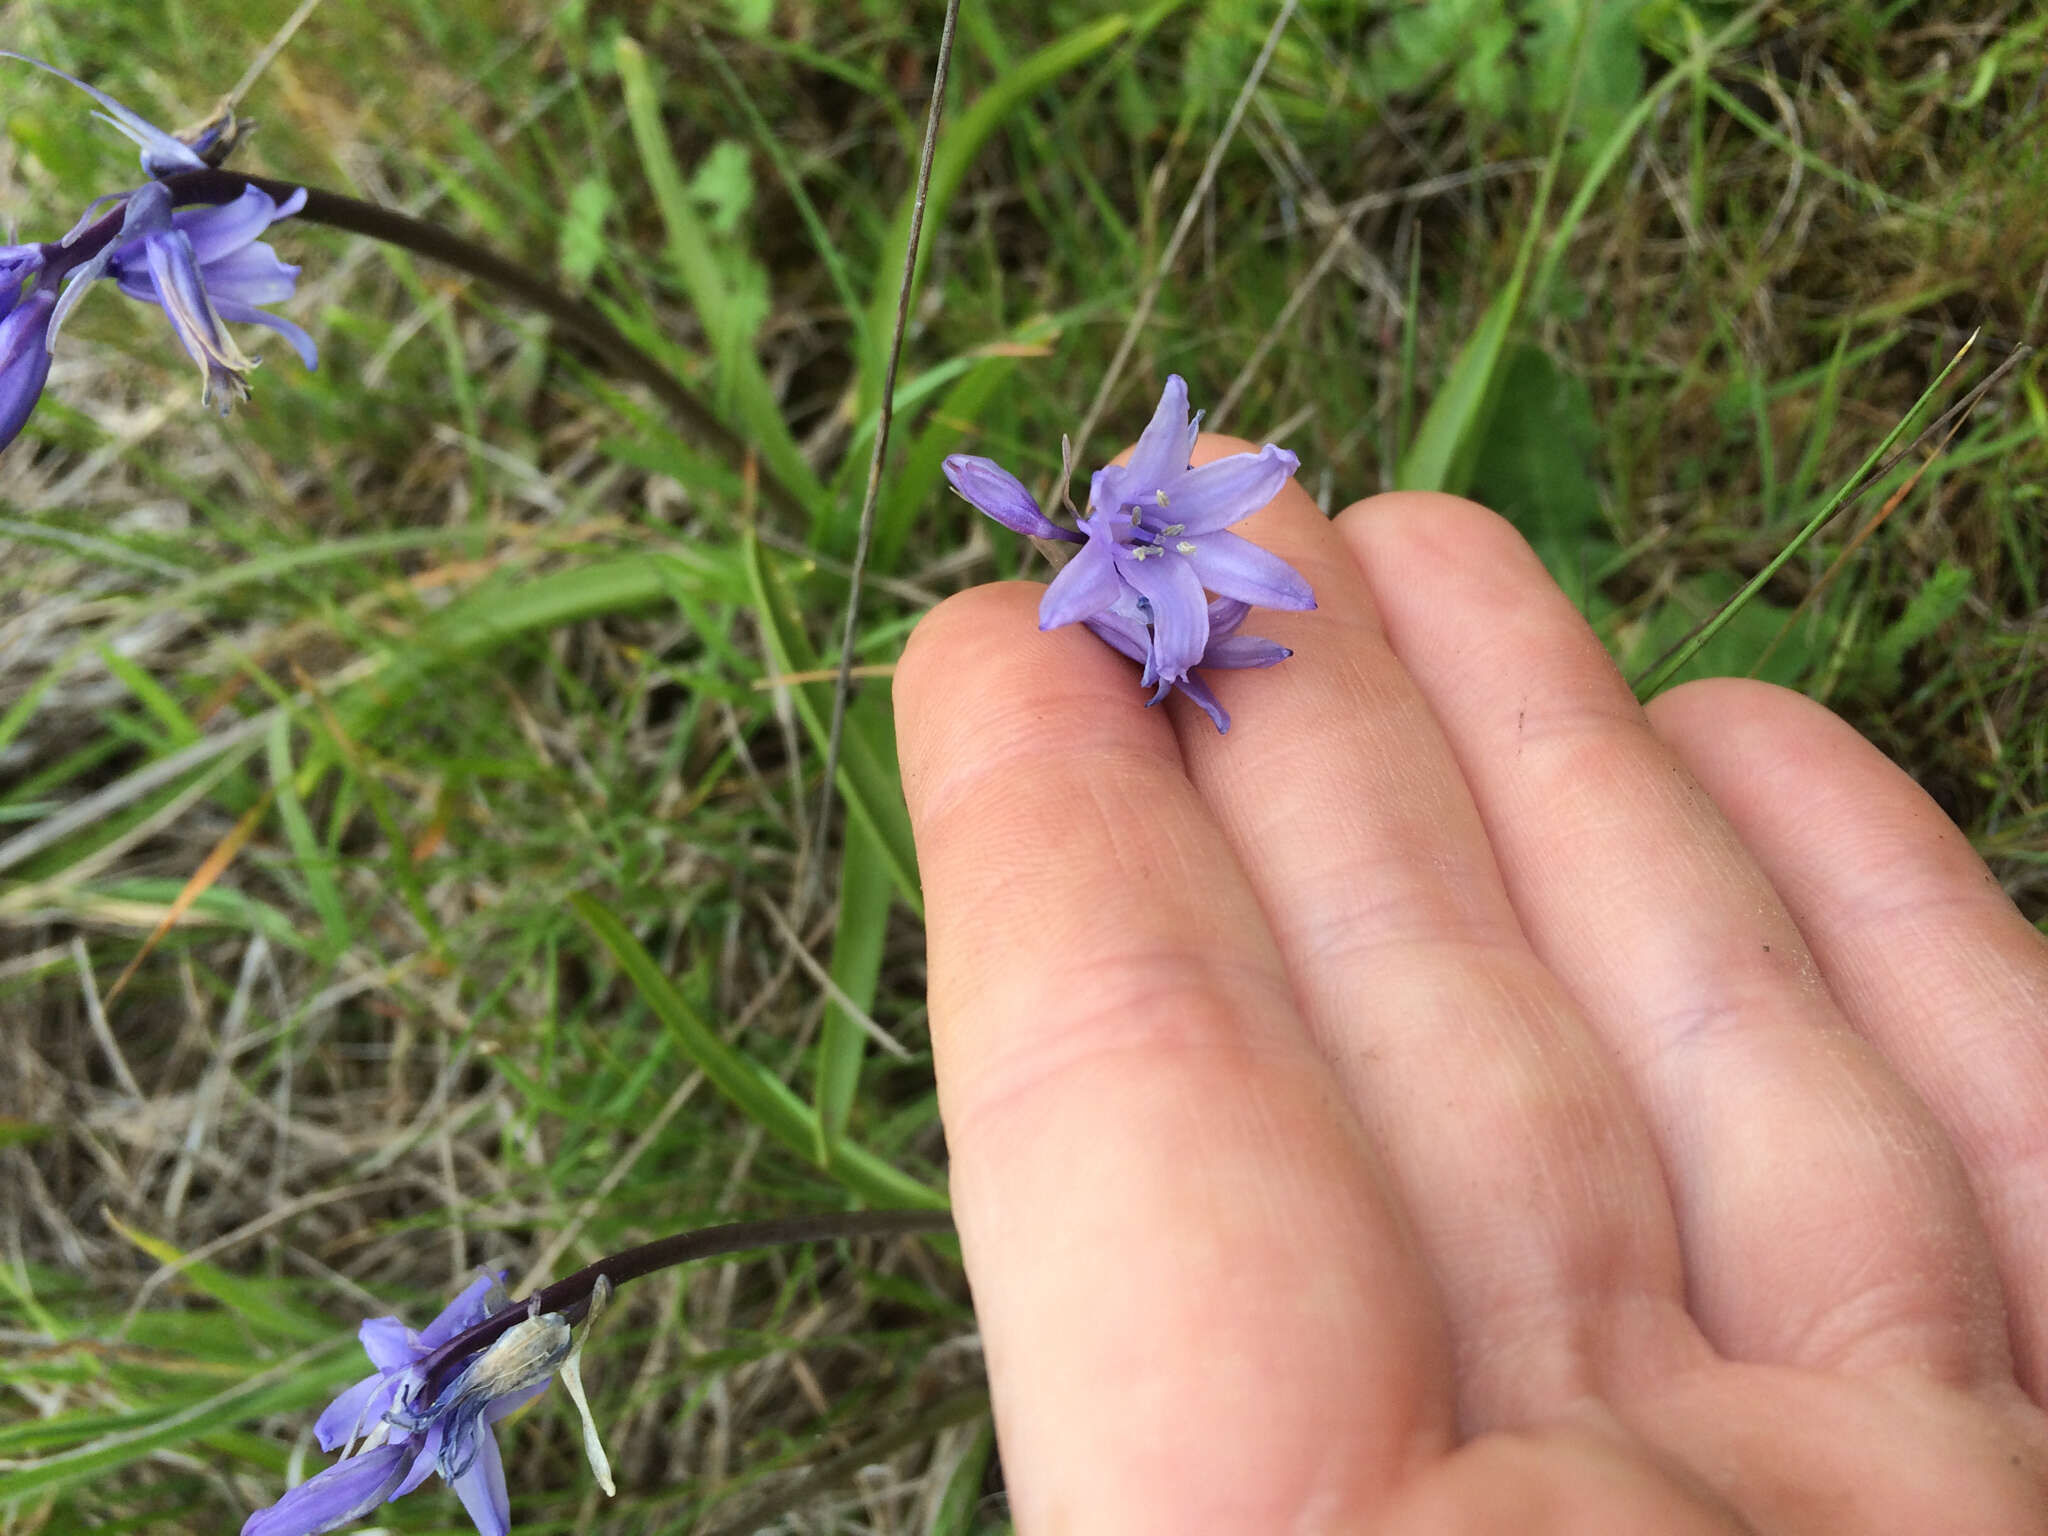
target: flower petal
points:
(388, 1342)
(182, 292)
(1224, 491)
(993, 491)
(1240, 651)
(1198, 690)
(248, 314)
(347, 1416)
(1120, 634)
(1180, 614)
(1086, 585)
(424, 1464)
(1225, 614)
(471, 1307)
(251, 275)
(482, 1490)
(1233, 567)
(219, 229)
(1105, 488)
(341, 1495)
(1162, 451)
(512, 1402)
(161, 153)
(147, 212)
(24, 360)
(18, 263)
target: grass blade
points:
(291, 1386)
(868, 777)
(970, 130)
(253, 1301)
(309, 858)
(1440, 457)
(918, 477)
(754, 1090)
(1672, 663)
(744, 389)
(865, 884)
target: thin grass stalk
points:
(864, 539)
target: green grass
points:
(522, 678)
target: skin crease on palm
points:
(1459, 1100)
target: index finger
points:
(1200, 1306)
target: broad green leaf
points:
(724, 183)
(752, 16)
(1760, 639)
(1535, 466)
(489, 616)
(1440, 457)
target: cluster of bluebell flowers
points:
(1154, 545)
(202, 265)
(422, 1412)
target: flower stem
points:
(619, 352)
(570, 1296)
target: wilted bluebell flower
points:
(203, 265)
(395, 1428)
(1153, 544)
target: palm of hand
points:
(1455, 1101)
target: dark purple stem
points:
(619, 352)
(571, 1296)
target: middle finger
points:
(1824, 1218)
(1523, 1162)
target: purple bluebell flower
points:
(406, 1435)
(1153, 545)
(203, 265)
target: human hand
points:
(1457, 1101)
